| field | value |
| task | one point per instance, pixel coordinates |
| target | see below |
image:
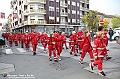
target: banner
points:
(2, 15)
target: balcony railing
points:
(34, 11)
(35, 1)
(63, 14)
(63, 5)
(63, 22)
(34, 22)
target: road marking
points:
(9, 51)
(21, 50)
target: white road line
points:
(21, 50)
(9, 51)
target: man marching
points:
(27, 41)
(64, 40)
(51, 47)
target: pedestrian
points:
(98, 53)
(34, 38)
(79, 40)
(111, 34)
(86, 47)
(64, 40)
(27, 41)
(72, 43)
(51, 47)
(58, 43)
(105, 40)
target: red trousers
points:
(106, 52)
(99, 63)
(79, 46)
(22, 43)
(64, 43)
(72, 49)
(59, 50)
(27, 46)
(10, 43)
(16, 42)
(34, 47)
(51, 51)
(84, 53)
(44, 45)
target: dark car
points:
(2, 40)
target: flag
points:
(15, 15)
(2, 15)
(0, 24)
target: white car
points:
(116, 34)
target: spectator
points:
(110, 34)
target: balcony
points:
(82, 1)
(64, 5)
(34, 11)
(63, 22)
(35, 1)
(87, 2)
(86, 9)
(63, 14)
(82, 8)
(35, 22)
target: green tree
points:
(105, 23)
(116, 22)
(92, 19)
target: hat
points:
(26, 31)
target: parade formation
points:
(79, 42)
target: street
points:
(24, 65)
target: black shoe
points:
(22, 47)
(102, 73)
(107, 49)
(50, 59)
(56, 60)
(107, 58)
(66, 48)
(75, 55)
(80, 62)
(34, 53)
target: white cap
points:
(73, 32)
(26, 31)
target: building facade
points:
(48, 15)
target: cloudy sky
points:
(104, 6)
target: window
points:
(77, 12)
(40, 7)
(69, 2)
(73, 20)
(73, 12)
(57, 0)
(57, 9)
(78, 4)
(32, 17)
(57, 19)
(62, 20)
(51, 17)
(32, 7)
(73, 3)
(51, 8)
(40, 17)
(68, 20)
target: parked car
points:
(2, 40)
(116, 34)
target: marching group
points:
(79, 42)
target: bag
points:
(118, 41)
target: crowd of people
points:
(79, 42)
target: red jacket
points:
(58, 39)
(72, 40)
(10, 37)
(98, 47)
(44, 38)
(51, 43)
(79, 37)
(34, 38)
(105, 38)
(86, 44)
(26, 39)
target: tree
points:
(92, 19)
(105, 23)
(116, 22)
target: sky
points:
(110, 7)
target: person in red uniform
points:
(51, 47)
(79, 40)
(22, 40)
(105, 39)
(16, 39)
(86, 47)
(44, 41)
(58, 45)
(19, 35)
(72, 43)
(64, 40)
(98, 52)
(34, 40)
(10, 39)
(27, 40)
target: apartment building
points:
(48, 15)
